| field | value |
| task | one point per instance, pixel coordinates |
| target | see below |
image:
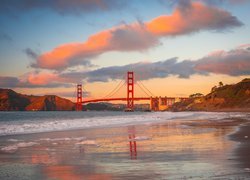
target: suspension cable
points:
(146, 88)
(84, 90)
(143, 86)
(117, 87)
(142, 89)
(74, 94)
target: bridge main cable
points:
(116, 89)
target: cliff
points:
(12, 101)
(234, 97)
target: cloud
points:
(145, 70)
(227, 1)
(9, 82)
(187, 18)
(212, 2)
(42, 78)
(192, 17)
(68, 94)
(30, 53)
(34, 80)
(122, 38)
(62, 6)
(235, 62)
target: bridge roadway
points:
(125, 99)
(115, 99)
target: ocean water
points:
(12, 123)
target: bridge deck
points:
(115, 99)
(125, 99)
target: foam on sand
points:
(87, 142)
(15, 147)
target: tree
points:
(196, 95)
(213, 88)
(220, 84)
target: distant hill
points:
(104, 106)
(12, 101)
(234, 97)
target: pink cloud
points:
(42, 78)
(234, 62)
(185, 19)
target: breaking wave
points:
(34, 122)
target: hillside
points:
(104, 106)
(12, 101)
(234, 97)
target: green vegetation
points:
(196, 95)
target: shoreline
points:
(246, 110)
(199, 148)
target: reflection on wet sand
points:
(132, 142)
(143, 151)
(170, 137)
(67, 172)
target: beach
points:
(172, 149)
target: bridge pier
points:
(161, 103)
(154, 103)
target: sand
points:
(242, 152)
(198, 149)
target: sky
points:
(174, 47)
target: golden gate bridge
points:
(156, 103)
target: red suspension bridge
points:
(156, 103)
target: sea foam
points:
(51, 123)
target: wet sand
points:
(198, 149)
(242, 152)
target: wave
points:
(49, 124)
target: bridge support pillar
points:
(79, 98)
(154, 104)
(130, 91)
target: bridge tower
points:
(130, 91)
(79, 98)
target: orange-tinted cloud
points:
(192, 17)
(35, 80)
(42, 78)
(235, 62)
(187, 18)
